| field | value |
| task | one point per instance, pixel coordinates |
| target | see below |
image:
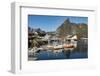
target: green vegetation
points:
(68, 28)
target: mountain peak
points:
(67, 21)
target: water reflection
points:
(81, 51)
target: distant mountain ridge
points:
(81, 29)
(38, 31)
(66, 28)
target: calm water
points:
(50, 55)
(80, 52)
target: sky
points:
(50, 23)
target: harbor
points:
(56, 49)
(66, 40)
